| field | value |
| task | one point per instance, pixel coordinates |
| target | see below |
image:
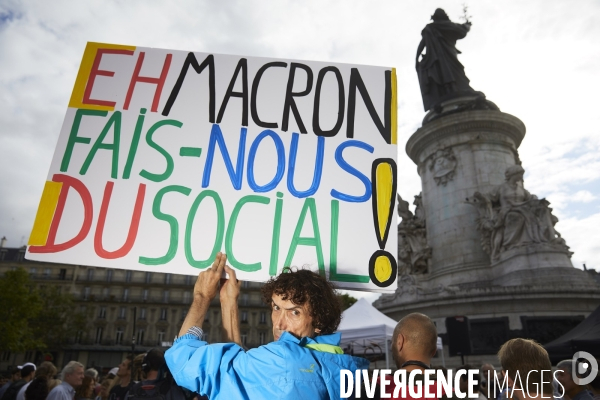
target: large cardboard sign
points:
(167, 157)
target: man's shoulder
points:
(583, 395)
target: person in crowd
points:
(573, 391)
(303, 362)
(594, 386)
(15, 375)
(86, 390)
(105, 387)
(529, 359)
(414, 343)
(27, 374)
(112, 374)
(72, 377)
(93, 373)
(138, 373)
(464, 382)
(157, 380)
(44, 373)
(489, 386)
(120, 388)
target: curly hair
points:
(304, 286)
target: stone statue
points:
(441, 75)
(413, 252)
(510, 216)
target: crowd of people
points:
(303, 362)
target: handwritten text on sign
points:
(167, 157)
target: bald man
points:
(414, 342)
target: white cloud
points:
(583, 196)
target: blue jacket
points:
(289, 368)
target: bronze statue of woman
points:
(441, 75)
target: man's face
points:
(290, 317)
(123, 368)
(75, 378)
(564, 377)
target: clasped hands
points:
(207, 284)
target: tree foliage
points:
(58, 314)
(35, 318)
(19, 302)
(346, 301)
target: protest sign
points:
(166, 157)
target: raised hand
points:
(207, 283)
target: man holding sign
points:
(303, 362)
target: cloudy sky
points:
(537, 60)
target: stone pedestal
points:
(457, 155)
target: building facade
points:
(121, 305)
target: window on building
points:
(90, 274)
(166, 296)
(140, 337)
(143, 313)
(62, 275)
(119, 336)
(167, 279)
(109, 275)
(78, 336)
(125, 294)
(32, 271)
(160, 337)
(187, 280)
(47, 273)
(128, 276)
(102, 312)
(186, 297)
(5, 356)
(263, 317)
(122, 312)
(163, 314)
(244, 299)
(244, 317)
(261, 338)
(148, 277)
(244, 335)
(98, 335)
(184, 314)
(105, 292)
(245, 284)
(145, 294)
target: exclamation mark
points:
(383, 267)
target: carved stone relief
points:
(443, 165)
(414, 254)
(510, 217)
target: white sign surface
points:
(167, 157)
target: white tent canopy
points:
(365, 329)
(363, 321)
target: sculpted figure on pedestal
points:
(510, 216)
(413, 252)
(441, 75)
